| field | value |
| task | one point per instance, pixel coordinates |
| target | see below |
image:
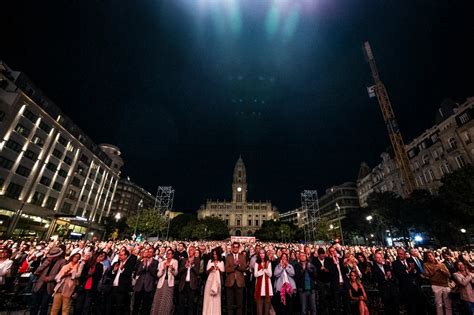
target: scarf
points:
(285, 289)
(258, 289)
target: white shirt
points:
(188, 274)
(119, 272)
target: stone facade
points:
(243, 217)
(438, 151)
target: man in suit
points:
(44, 286)
(235, 266)
(121, 273)
(188, 281)
(337, 280)
(320, 262)
(147, 271)
(407, 273)
(382, 275)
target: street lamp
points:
(140, 206)
(369, 218)
(338, 209)
(463, 231)
(117, 217)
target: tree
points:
(276, 230)
(178, 223)
(322, 230)
(150, 222)
(457, 192)
(199, 231)
(216, 228)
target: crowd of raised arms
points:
(215, 277)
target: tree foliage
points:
(278, 231)
(186, 226)
(150, 222)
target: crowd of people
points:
(215, 277)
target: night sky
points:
(184, 87)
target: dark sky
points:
(185, 86)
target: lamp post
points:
(463, 231)
(140, 206)
(338, 209)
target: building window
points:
(13, 190)
(51, 166)
(67, 160)
(45, 127)
(45, 181)
(15, 146)
(62, 173)
(256, 222)
(448, 167)
(6, 163)
(237, 222)
(432, 175)
(250, 222)
(460, 161)
(435, 155)
(227, 221)
(239, 197)
(31, 117)
(22, 130)
(84, 159)
(23, 171)
(76, 182)
(426, 159)
(57, 153)
(38, 141)
(66, 208)
(51, 202)
(62, 140)
(466, 137)
(464, 118)
(30, 155)
(37, 198)
(453, 143)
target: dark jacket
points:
(408, 281)
(193, 274)
(125, 279)
(323, 276)
(300, 274)
(334, 272)
(147, 276)
(96, 276)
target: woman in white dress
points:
(163, 299)
(212, 291)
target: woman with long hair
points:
(91, 271)
(213, 289)
(285, 285)
(163, 299)
(66, 283)
(263, 283)
(357, 295)
(465, 281)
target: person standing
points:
(90, 271)
(285, 286)
(66, 283)
(323, 288)
(383, 278)
(439, 276)
(188, 282)
(146, 283)
(235, 266)
(406, 272)
(121, 273)
(465, 281)
(338, 280)
(163, 299)
(5, 265)
(263, 283)
(305, 275)
(212, 291)
(44, 286)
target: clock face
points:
(239, 189)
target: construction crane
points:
(379, 90)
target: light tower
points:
(164, 204)
(379, 90)
(310, 206)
